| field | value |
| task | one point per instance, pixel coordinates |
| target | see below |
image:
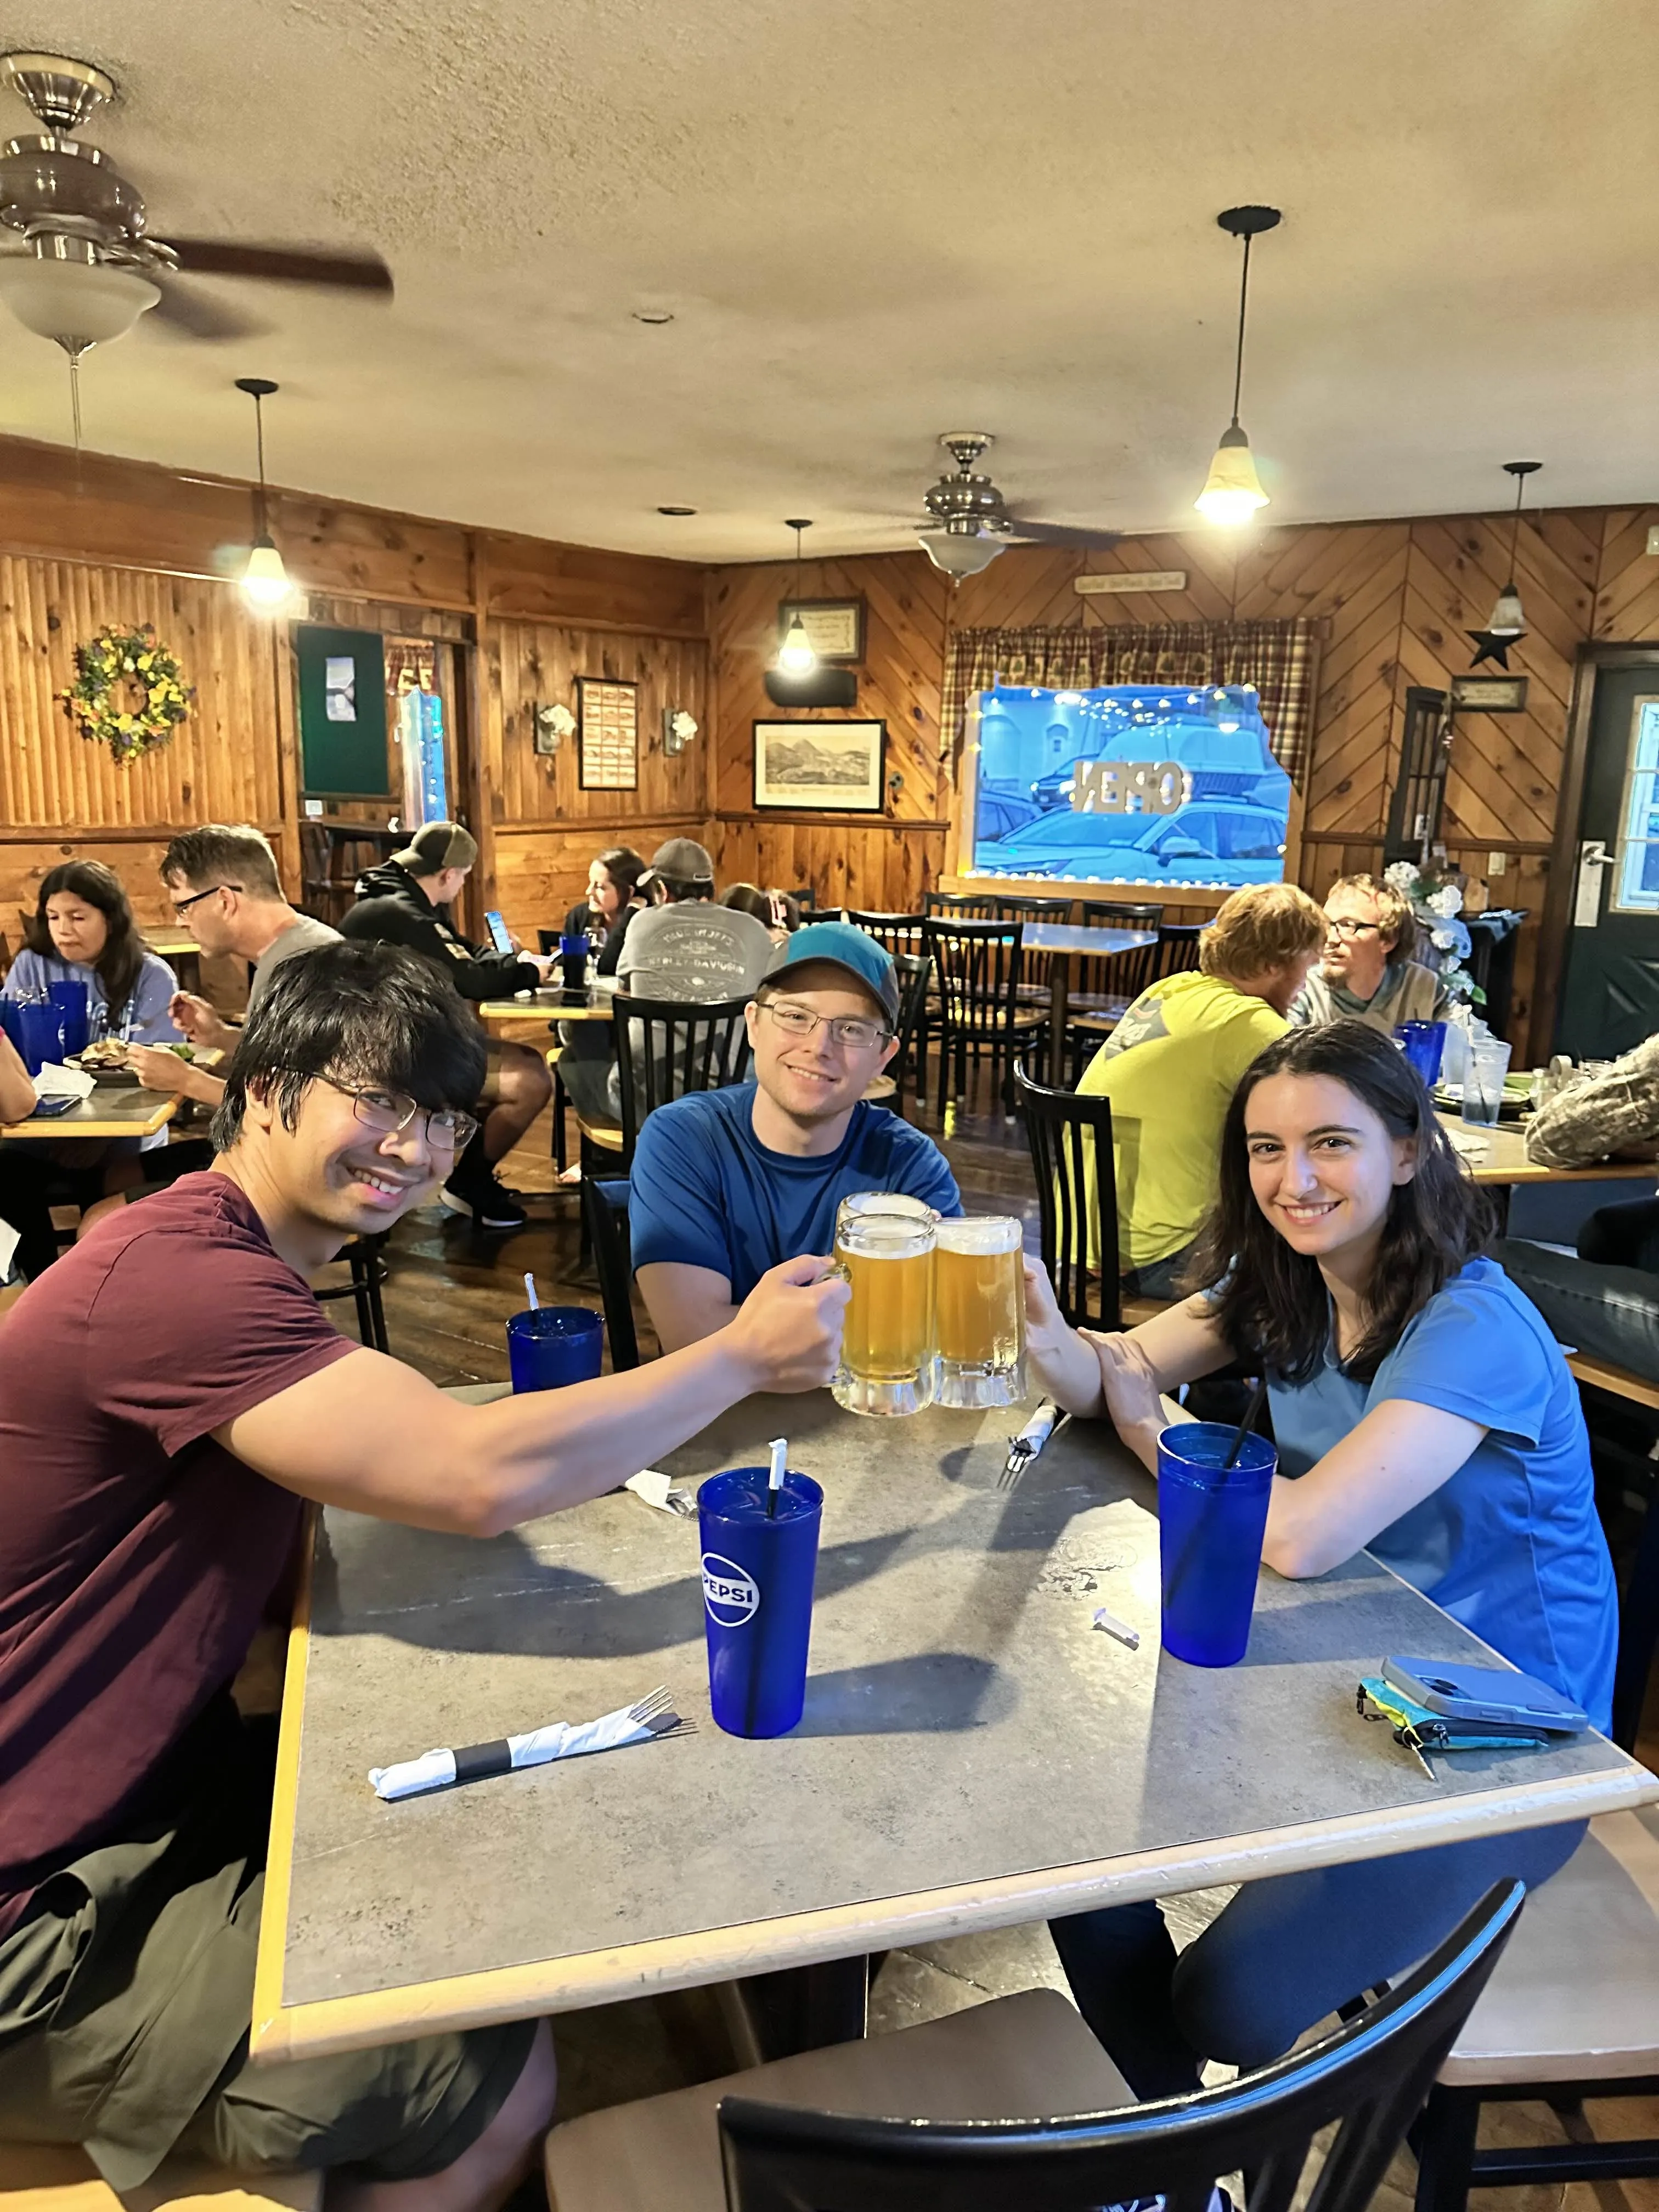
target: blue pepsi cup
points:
(1423, 1044)
(1210, 1521)
(73, 1004)
(757, 1574)
(10, 1023)
(39, 1032)
(548, 1346)
(573, 959)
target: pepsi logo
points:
(729, 1593)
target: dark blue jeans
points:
(1287, 1951)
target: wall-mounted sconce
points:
(679, 728)
(552, 724)
(895, 785)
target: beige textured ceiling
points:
(875, 220)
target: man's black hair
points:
(373, 1016)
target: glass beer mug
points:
(884, 1247)
(979, 1293)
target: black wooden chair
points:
(1122, 914)
(803, 2131)
(605, 1210)
(365, 1259)
(894, 933)
(665, 1048)
(1177, 948)
(1070, 1140)
(1106, 988)
(807, 899)
(961, 906)
(976, 965)
(915, 975)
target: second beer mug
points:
(884, 1247)
(980, 1293)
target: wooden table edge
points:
(35, 1131)
(539, 1987)
(270, 1953)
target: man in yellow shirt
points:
(1170, 1065)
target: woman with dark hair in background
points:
(775, 910)
(613, 900)
(1421, 1408)
(82, 932)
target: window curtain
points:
(1280, 659)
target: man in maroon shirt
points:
(169, 1394)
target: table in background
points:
(528, 1018)
(1504, 1160)
(974, 1754)
(114, 1109)
(180, 951)
(1060, 942)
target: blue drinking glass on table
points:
(573, 959)
(757, 1574)
(39, 1032)
(548, 1346)
(1210, 1521)
(1423, 1044)
(73, 1002)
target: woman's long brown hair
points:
(1271, 1301)
(121, 961)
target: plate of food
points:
(107, 1059)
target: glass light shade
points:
(78, 303)
(960, 555)
(1232, 492)
(1506, 618)
(264, 580)
(795, 655)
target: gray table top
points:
(974, 1752)
(1065, 937)
(112, 1109)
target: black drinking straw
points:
(1248, 1423)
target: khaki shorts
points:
(125, 1996)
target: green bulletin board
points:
(343, 744)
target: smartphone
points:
(1491, 1695)
(498, 933)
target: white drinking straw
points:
(530, 1291)
(779, 1449)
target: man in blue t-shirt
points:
(727, 1183)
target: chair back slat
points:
(1070, 1140)
(666, 1047)
(1365, 2082)
(915, 974)
(1177, 948)
(977, 967)
(605, 1208)
(894, 933)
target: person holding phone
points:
(1421, 1410)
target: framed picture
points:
(607, 714)
(821, 767)
(834, 628)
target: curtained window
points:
(1280, 659)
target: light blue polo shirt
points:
(1512, 1545)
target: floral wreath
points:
(94, 703)
(1436, 904)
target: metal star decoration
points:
(1493, 645)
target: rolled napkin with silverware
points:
(652, 1717)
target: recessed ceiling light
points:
(677, 510)
(653, 315)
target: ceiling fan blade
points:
(195, 315)
(283, 264)
(1061, 533)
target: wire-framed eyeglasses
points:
(845, 1029)
(388, 1113)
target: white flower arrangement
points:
(684, 725)
(1438, 905)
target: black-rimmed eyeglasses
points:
(389, 1113)
(1345, 927)
(184, 905)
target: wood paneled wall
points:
(1393, 599)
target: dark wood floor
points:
(450, 1291)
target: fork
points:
(1022, 1450)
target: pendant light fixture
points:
(265, 584)
(1506, 625)
(1232, 492)
(795, 655)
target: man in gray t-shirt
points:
(303, 934)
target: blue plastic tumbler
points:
(1211, 1522)
(39, 1032)
(573, 959)
(548, 1346)
(758, 1573)
(10, 1023)
(74, 1004)
(1423, 1044)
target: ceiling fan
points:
(91, 268)
(971, 523)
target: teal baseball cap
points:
(838, 945)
